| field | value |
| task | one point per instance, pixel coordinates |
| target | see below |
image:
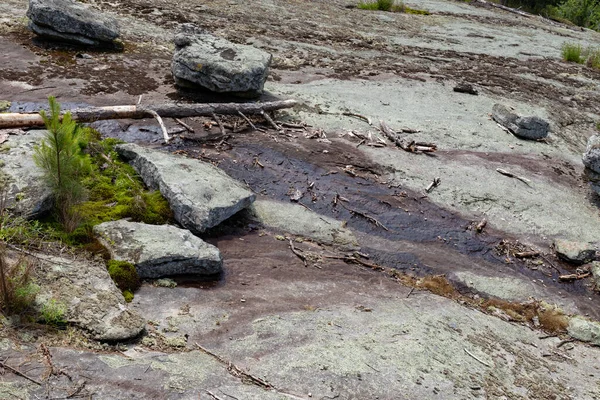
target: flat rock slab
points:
(91, 299)
(209, 62)
(73, 22)
(297, 220)
(591, 157)
(159, 250)
(200, 194)
(585, 330)
(531, 128)
(574, 252)
(28, 195)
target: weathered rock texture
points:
(297, 220)
(532, 128)
(200, 194)
(71, 21)
(27, 193)
(585, 330)
(209, 62)
(159, 250)
(591, 157)
(573, 252)
(91, 298)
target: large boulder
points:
(202, 60)
(531, 128)
(89, 296)
(27, 193)
(200, 194)
(73, 22)
(591, 157)
(158, 250)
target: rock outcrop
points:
(73, 22)
(27, 194)
(202, 60)
(200, 194)
(158, 250)
(583, 329)
(297, 220)
(531, 128)
(574, 252)
(591, 157)
(91, 299)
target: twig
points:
(221, 127)
(186, 126)
(17, 372)
(296, 252)
(527, 254)
(373, 368)
(478, 359)
(563, 342)
(410, 292)
(237, 372)
(241, 114)
(293, 126)
(366, 119)
(511, 175)
(435, 183)
(356, 260)
(573, 277)
(140, 99)
(214, 396)
(551, 264)
(270, 120)
(161, 123)
(412, 147)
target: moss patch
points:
(125, 277)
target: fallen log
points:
(91, 114)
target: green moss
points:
(128, 295)
(124, 275)
(53, 313)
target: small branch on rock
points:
(214, 396)
(573, 277)
(478, 359)
(297, 253)
(351, 114)
(362, 214)
(435, 183)
(241, 114)
(161, 123)
(412, 147)
(270, 121)
(218, 121)
(17, 372)
(481, 226)
(511, 175)
(357, 260)
(527, 254)
(186, 126)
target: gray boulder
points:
(73, 22)
(202, 60)
(89, 297)
(158, 250)
(200, 194)
(585, 330)
(595, 269)
(591, 157)
(27, 193)
(297, 220)
(531, 128)
(574, 252)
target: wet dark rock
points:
(591, 157)
(204, 61)
(531, 128)
(200, 194)
(573, 252)
(159, 250)
(72, 22)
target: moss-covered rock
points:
(124, 275)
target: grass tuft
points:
(572, 53)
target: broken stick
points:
(511, 175)
(163, 128)
(436, 182)
(297, 253)
(91, 114)
(17, 372)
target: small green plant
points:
(61, 158)
(17, 291)
(125, 277)
(53, 313)
(593, 58)
(572, 53)
(382, 5)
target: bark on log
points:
(14, 120)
